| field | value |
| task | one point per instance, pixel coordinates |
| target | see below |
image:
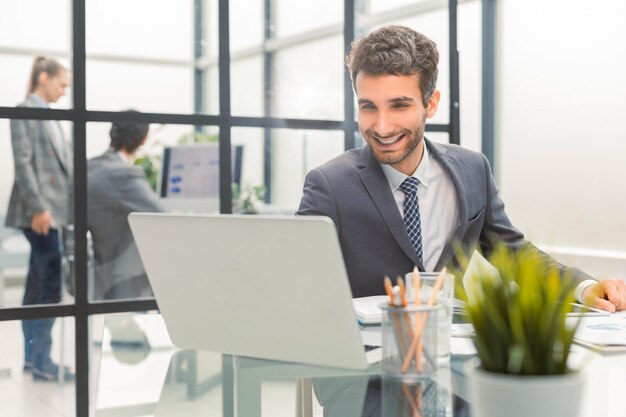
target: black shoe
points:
(51, 373)
(28, 367)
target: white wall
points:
(562, 83)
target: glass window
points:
(294, 153)
(32, 24)
(293, 17)
(151, 68)
(140, 29)
(438, 137)
(117, 86)
(377, 6)
(249, 193)
(29, 28)
(246, 86)
(209, 60)
(307, 80)
(247, 25)
(470, 73)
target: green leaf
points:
(519, 315)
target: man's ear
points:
(433, 104)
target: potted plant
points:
(522, 337)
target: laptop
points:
(271, 287)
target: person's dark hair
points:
(42, 64)
(128, 136)
(396, 50)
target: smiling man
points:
(402, 200)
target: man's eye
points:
(400, 105)
(367, 107)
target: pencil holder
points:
(409, 341)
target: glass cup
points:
(406, 356)
(444, 298)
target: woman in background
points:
(41, 204)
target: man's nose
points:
(384, 125)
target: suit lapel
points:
(454, 168)
(51, 133)
(379, 191)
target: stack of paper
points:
(368, 310)
(606, 333)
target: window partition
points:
(268, 85)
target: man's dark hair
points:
(396, 50)
(128, 136)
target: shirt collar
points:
(38, 101)
(422, 172)
(127, 160)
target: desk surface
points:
(142, 373)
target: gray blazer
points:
(43, 173)
(116, 189)
(353, 191)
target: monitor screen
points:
(192, 171)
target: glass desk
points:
(142, 374)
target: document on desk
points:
(605, 333)
(367, 309)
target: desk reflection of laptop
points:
(259, 286)
(189, 177)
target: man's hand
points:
(41, 223)
(609, 295)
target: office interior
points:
(538, 87)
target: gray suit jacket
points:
(353, 191)
(116, 189)
(43, 173)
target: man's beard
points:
(412, 142)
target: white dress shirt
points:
(438, 205)
(439, 209)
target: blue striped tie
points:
(412, 220)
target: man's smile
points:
(387, 140)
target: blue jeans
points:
(43, 286)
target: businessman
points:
(402, 200)
(117, 188)
(40, 205)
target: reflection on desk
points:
(171, 382)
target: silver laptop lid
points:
(261, 286)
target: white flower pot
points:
(501, 395)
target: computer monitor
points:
(189, 179)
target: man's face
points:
(392, 118)
(53, 87)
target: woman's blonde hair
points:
(43, 64)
